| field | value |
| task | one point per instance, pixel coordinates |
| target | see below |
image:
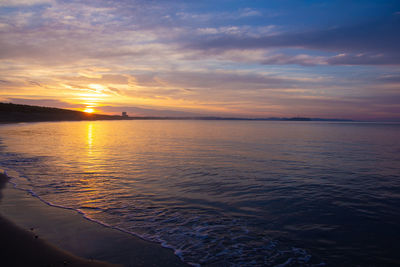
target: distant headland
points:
(25, 113)
(10, 113)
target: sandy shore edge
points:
(64, 238)
(20, 247)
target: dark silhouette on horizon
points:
(10, 112)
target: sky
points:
(277, 58)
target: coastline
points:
(36, 234)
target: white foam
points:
(205, 237)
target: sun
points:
(88, 110)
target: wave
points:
(235, 254)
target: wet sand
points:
(36, 234)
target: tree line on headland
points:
(24, 113)
(10, 112)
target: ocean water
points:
(224, 193)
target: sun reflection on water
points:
(90, 138)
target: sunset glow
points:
(252, 59)
(88, 110)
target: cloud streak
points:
(365, 44)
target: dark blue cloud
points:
(369, 43)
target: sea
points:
(224, 193)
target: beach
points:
(36, 234)
(216, 193)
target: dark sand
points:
(36, 234)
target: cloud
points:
(365, 59)
(229, 80)
(43, 102)
(217, 17)
(249, 12)
(393, 78)
(13, 3)
(301, 59)
(377, 42)
(95, 77)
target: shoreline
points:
(37, 234)
(17, 242)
